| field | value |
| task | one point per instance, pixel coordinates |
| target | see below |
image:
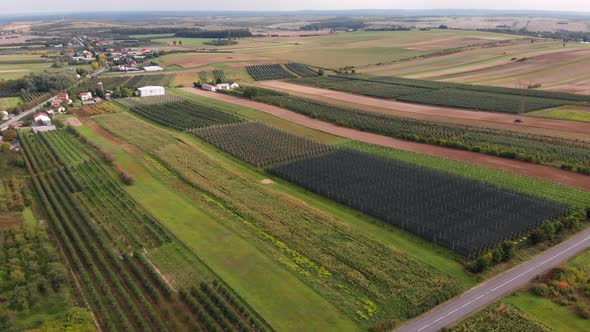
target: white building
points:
(153, 68)
(85, 96)
(233, 85)
(208, 87)
(4, 115)
(42, 119)
(149, 91)
(223, 86)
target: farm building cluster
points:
(221, 86)
(133, 60)
(79, 56)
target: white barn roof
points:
(149, 88)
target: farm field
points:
(240, 263)
(565, 113)
(130, 82)
(15, 66)
(539, 149)
(342, 175)
(473, 97)
(534, 125)
(527, 169)
(250, 192)
(177, 113)
(9, 102)
(143, 300)
(549, 64)
(269, 72)
(549, 313)
(362, 48)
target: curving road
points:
(490, 291)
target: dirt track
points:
(517, 167)
(399, 108)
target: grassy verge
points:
(549, 313)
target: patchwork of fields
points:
(493, 99)
(259, 210)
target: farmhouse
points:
(62, 96)
(42, 119)
(233, 85)
(148, 91)
(223, 86)
(85, 96)
(208, 87)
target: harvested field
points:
(527, 169)
(196, 60)
(433, 112)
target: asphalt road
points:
(487, 293)
(10, 122)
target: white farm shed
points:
(149, 91)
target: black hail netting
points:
(464, 215)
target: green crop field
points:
(582, 115)
(9, 102)
(327, 269)
(474, 97)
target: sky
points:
(48, 6)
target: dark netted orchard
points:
(301, 70)
(268, 72)
(464, 215)
(260, 144)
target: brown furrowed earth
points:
(522, 168)
(562, 128)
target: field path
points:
(490, 291)
(518, 167)
(403, 109)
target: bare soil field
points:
(561, 128)
(532, 170)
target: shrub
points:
(541, 290)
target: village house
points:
(42, 119)
(222, 86)
(85, 96)
(62, 96)
(233, 85)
